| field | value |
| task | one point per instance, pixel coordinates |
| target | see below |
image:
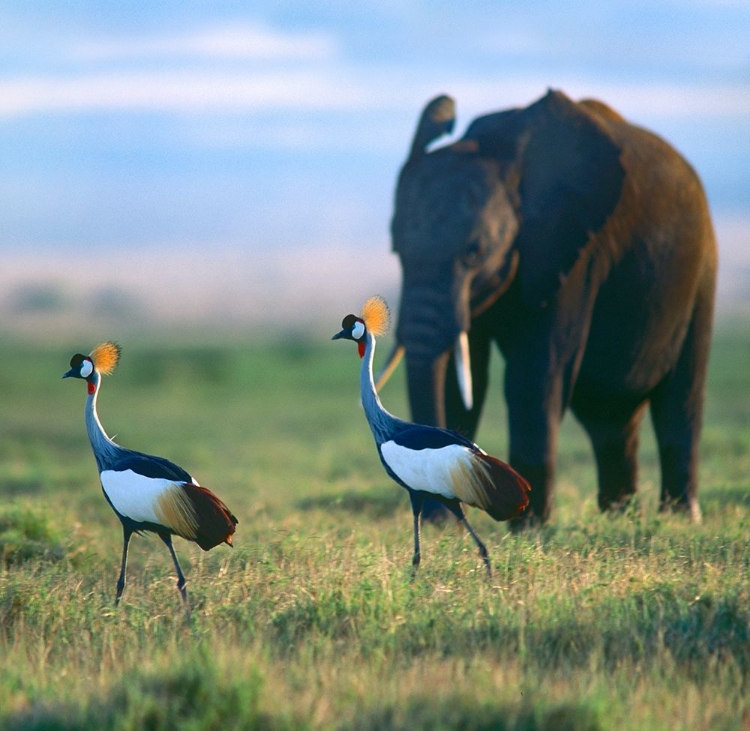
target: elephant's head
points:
(515, 199)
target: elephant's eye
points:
(472, 254)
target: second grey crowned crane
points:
(426, 460)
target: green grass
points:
(594, 622)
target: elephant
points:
(582, 246)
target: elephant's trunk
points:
(432, 326)
(434, 311)
(426, 383)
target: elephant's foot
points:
(690, 508)
(620, 504)
(527, 521)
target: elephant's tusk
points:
(394, 358)
(463, 370)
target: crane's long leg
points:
(482, 548)
(126, 534)
(416, 507)
(181, 581)
(457, 510)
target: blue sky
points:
(266, 127)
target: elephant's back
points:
(655, 171)
(644, 306)
(655, 260)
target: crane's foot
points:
(415, 565)
(185, 601)
(485, 556)
(183, 591)
(487, 566)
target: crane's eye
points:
(472, 254)
(358, 329)
(87, 368)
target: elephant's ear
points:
(438, 118)
(570, 180)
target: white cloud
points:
(332, 88)
(239, 42)
(181, 91)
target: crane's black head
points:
(103, 359)
(375, 318)
(81, 366)
(353, 328)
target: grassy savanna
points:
(637, 621)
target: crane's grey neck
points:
(105, 450)
(383, 424)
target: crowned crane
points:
(147, 493)
(426, 460)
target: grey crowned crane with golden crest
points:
(426, 460)
(147, 493)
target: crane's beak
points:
(69, 374)
(339, 335)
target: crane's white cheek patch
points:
(87, 368)
(137, 497)
(358, 330)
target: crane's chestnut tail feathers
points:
(495, 487)
(214, 521)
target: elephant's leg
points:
(677, 415)
(614, 430)
(534, 412)
(456, 416)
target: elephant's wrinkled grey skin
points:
(582, 246)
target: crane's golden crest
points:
(105, 357)
(376, 315)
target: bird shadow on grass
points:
(27, 536)
(41, 438)
(11, 487)
(427, 712)
(377, 504)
